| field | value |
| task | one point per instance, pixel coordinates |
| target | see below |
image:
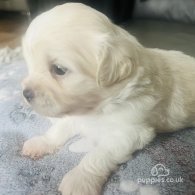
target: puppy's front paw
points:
(36, 147)
(78, 182)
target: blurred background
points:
(167, 24)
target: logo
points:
(159, 170)
(160, 174)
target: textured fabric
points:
(168, 156)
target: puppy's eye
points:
(59, 70)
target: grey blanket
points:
(166, 166)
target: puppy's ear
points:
(115, 62)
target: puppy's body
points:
(104, 85)
(172, 76)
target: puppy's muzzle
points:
(28, 94)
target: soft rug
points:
(166, 166)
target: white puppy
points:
(102, 83)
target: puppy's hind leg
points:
(47, 143)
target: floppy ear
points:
(115, 63)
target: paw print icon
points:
(159, 170)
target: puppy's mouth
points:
(42, 106)
(49, 112)
(49, 109)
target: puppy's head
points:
(75, 58)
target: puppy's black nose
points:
(28, 94)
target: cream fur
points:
(116, 92)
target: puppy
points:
(102, 83)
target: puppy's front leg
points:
(90, 175)
(55, 137)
